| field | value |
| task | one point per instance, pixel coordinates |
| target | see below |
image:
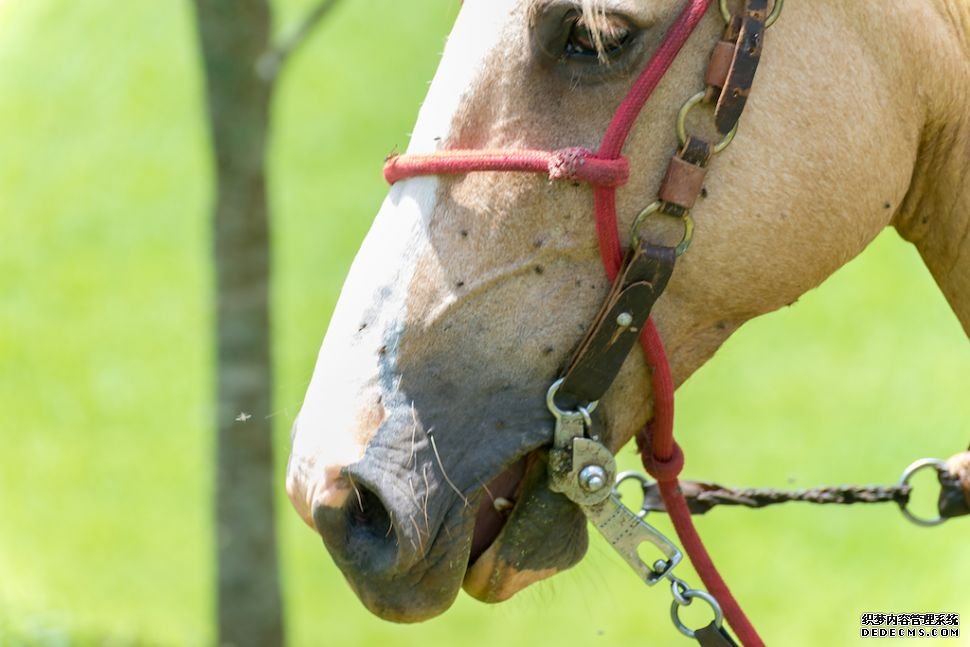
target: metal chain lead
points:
(701, 497)
(684, 596)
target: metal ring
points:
(690, 595)
(657, 207)
(632, 475)
(584, 411)
(679, 589)
(644, 482)
(919, 465)
(775, 13)
(769, 21)
(682, 124)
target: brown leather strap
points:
(684, 181)
(646, 270)
(714, 636)
(733, 28)
(697, 151)
(616, 328)
(720, 65)
(747, 55)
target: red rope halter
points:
(605, 170)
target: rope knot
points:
(665, 471)
(565, 164)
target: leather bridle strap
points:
(639, 278)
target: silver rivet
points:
(592, 478)
(625, 320)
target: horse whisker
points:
(488, 493)
(360, 499)
(454, 487)
(420, 535)
(414, 431)
(427, 495)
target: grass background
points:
(106, 360)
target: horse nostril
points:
(361, 533)
(368, 515)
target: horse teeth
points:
(503, 505)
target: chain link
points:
(701, 496)
(763, 497)
(684, 596)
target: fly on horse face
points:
(422, 452)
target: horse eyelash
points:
(594, 17)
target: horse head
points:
(418, 455)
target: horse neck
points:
(936, 213)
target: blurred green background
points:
(106, 360)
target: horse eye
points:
(582, 40)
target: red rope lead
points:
(568, 164)
(663, 459)
(624, 118)
(626, 115)
(704, 565)
(661, 450)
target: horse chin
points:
(544, 533)
(492, 579)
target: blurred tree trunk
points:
(234, 35)
(241, 69)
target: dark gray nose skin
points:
(364, 544)
(403, 536)
(360, 533)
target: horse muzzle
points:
(437, 500)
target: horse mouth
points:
(497, 502)
(523, 533)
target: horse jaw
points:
(935, 216)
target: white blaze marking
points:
(346, 381)
(472, 46)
